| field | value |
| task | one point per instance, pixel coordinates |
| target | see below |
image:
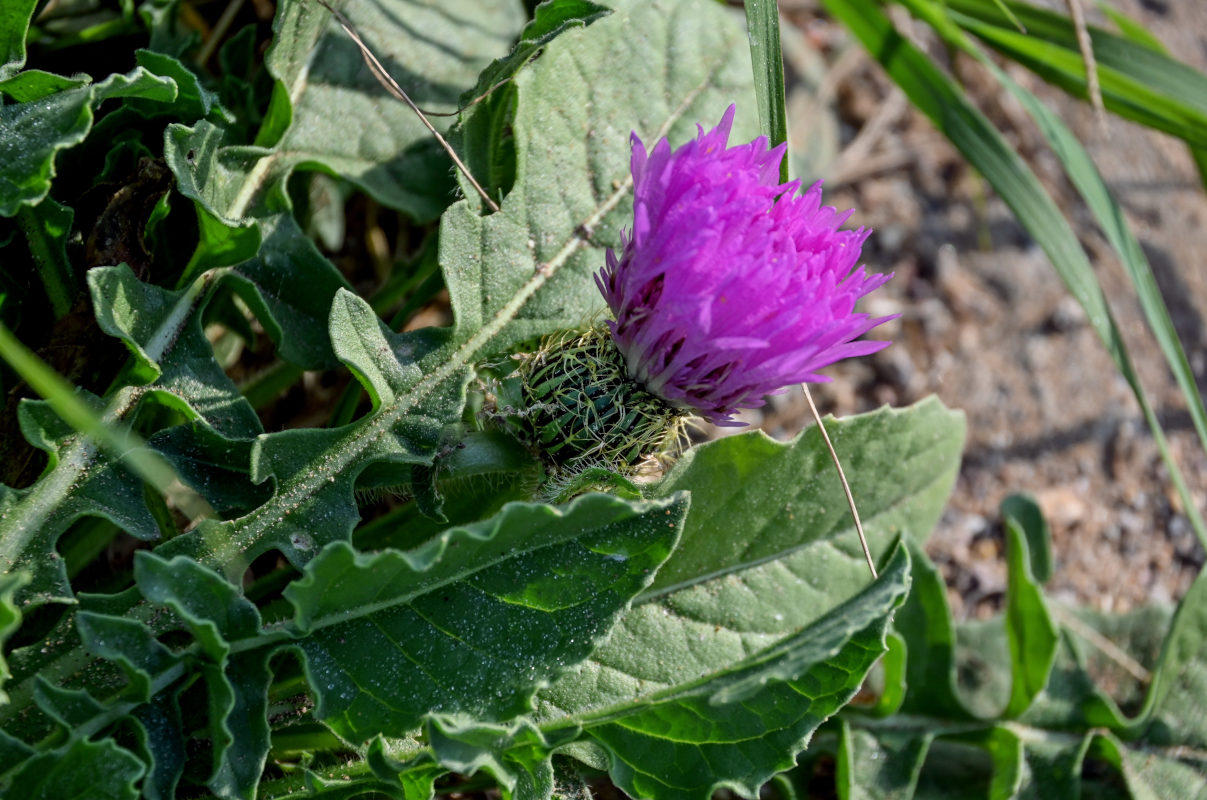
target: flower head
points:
(731, 286)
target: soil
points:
(988, 326)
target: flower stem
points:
(846, 487)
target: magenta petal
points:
(730, 285)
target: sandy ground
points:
(988, 326)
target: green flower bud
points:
(575, 403)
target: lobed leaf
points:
(738, 725)
(902, 464)
(238, 681)
(81, 768)
(217, 468)
(14, 25)
(550, 19)
(10, 617)
(142, 316)
(394, 636)
(315, 470)
(527, 270)
(163, 331)
(80, 481)
(33, 133)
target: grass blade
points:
(1137, 82)
(763, 22)
(975, 137)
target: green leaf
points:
(1006, 749)
(392, 636)
(32, 134)
(1030, 631)
(81, 479)
(192, 102)
(883, 765)
(210, 607)
(96, 770)
(1052, 769)
(14, 24)
(129, 644)
(488, 145)
(160, 728)
(767, 61)
(726, 602)
(217, 468)
(83, 412)
(550, 19)
(221, 245)
(1043, 752)
(484, 471)
(527, 270)
(517, 755)
(926, 625)
(290, 287)
(434, 52)
(13, 751)
(10, 617)
(71, 708)
(901, 464)
(220, 177)
(1153, 776)
(892, 680)
(47, 226)
(352, 780)
(34, 518)
(738, 725)
(277, 271)
(34, 84)
(217, 616)
(1175, 707)
(1026, 514)
(1130, 29)
(138, 313)
(315, 470)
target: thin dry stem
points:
(1103, 644)
(846, 487)
(471, 103)
(219, 32)
(1087, 56)
(393, 88)
(861, 147)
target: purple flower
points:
(731, 286)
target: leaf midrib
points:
(247, 531)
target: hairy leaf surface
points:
(527, 270)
